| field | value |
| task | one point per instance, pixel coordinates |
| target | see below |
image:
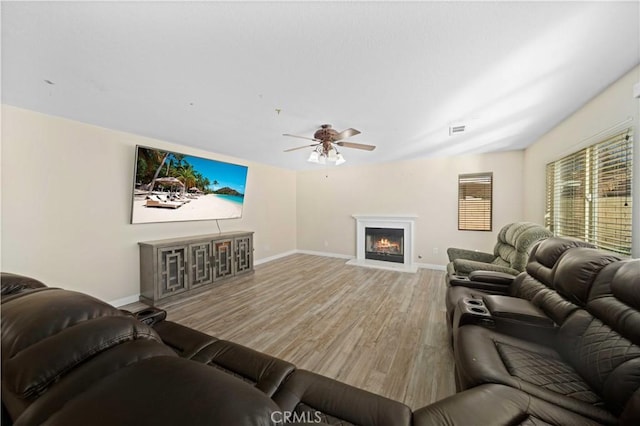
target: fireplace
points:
(386, 244)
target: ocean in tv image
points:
(169, 187)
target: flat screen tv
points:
(170, 186)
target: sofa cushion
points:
(496, 405)
(167, 391)
(485, 356)
(84, 376)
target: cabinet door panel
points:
(243, 254)
(200, 268)
(223, 250)
(172, 273)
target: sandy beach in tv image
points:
(176, 187)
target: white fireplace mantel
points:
(405, 222)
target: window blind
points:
(475, 199)
(589, 194)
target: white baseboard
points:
(431, 266)
(325, 254)
(274, 257)
(125, 300)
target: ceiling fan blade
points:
(356, 145)
(301, 147)
(347, 134)
(301, 137)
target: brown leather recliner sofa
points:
(568, 334)
(70, 359)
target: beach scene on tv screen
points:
(175, 187)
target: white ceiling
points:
(212, 75)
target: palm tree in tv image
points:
(150, 163)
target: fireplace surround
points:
(392, 248)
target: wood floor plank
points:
(382, 331)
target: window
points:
(475, 194)
(589, 194)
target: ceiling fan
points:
(327, 139)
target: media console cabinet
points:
(179, 267)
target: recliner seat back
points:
(538, 283)
(78, 332)
(514, 243)
(602, 340)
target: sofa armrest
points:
(516, 309)
(185, 341)
(478, 256)
(320, 398)
(261, 370)
(493, 277)
(464, 267)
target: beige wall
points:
(64, 220)
(327, 198)
(66, 205)
(611, 111)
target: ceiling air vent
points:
(457, 129)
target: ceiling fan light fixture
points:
(326, 143)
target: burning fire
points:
(383, 244)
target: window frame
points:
(588, 194)
(468, 215)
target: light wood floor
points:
(378, 330)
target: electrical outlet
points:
(436, 250)
(326, 243)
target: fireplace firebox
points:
(386, 244)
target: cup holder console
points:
(150, 316)
(475, 307)
(472, 311)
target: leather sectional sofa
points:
(568, 332)
(70, 359)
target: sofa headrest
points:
(509, 233)
(47, 333)
(515, 241)
(545, 255)
(14, 283)
(615, 298)
(576, 271)
(550, 250)
(625, 285)
(35, 316)
(28, 374)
